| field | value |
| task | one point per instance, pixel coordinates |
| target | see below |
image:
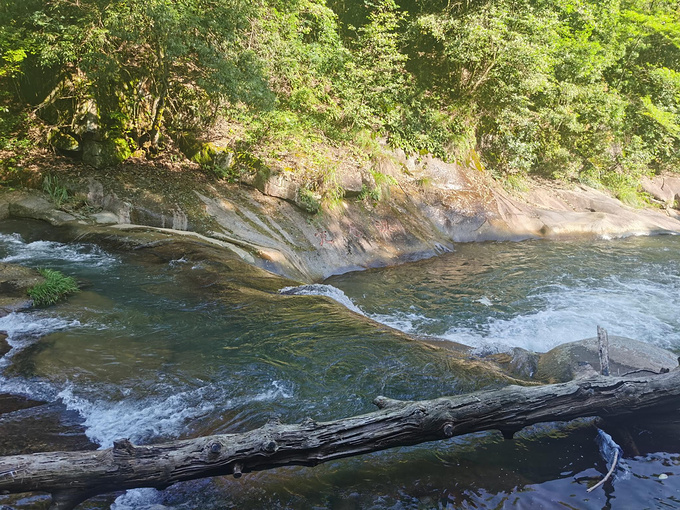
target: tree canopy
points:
(576, 89)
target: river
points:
(158, 346)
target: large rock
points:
(518, 362)
(664, 189)
(147, 209)
(38, 208)
(14, 284)
(573, 359)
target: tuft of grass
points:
(55, 287)
(55, 189)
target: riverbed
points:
(163, 344)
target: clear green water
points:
(534, 295)
(158, 347)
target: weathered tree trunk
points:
(72, 477)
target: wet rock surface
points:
(35, 427)
(581, 359)
(11, 403)
(4, 346)
(426, 207)
(15, 281)
(519, 362)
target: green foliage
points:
(577, 89)
(380, 190)
(55, 287)
(374, 194)
(148, 66)
(515, 182)
(308, 200)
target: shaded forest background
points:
(585, 90)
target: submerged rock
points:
(12, 403)
(4, 346)
(578, 359)
(518, 362)
(41, 427)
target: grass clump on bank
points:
(55, 287)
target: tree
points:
(148, 65)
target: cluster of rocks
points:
(580, 359)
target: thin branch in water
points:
(608, 475)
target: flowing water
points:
(158, 347)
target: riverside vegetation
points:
(55, 287)
(576, 90)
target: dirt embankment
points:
(426, 206)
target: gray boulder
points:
(580, 359)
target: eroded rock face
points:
(578, 359)
(14, 283)
(426, 206)
(663, 188)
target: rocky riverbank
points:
(425, 207)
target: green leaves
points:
(576, 89)
(146, 64)
(667, 120)
(55, 287)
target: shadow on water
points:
(172, 338)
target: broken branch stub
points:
(603, 350)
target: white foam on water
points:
(319, 289)
(643, 310)
(178, 262)
(485, 301)
(40, 252)
(25, 328)
(278, 390)
(138, 420)
(402, 321)
(142, 420)
(409, 323)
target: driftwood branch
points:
(609, 473)
(72, 477)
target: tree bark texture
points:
(72, 477)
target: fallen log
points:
(73, 477)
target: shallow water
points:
(157, 347)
